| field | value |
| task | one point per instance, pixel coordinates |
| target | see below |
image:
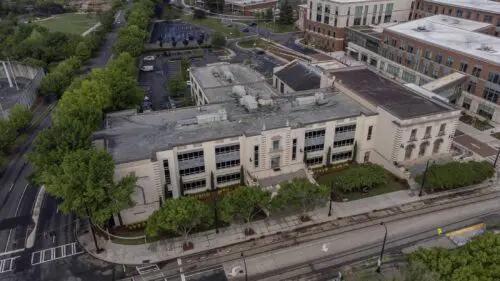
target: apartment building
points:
(434, 47)
(324, 22)
(247, 8)
(486, 11)
(258, 136)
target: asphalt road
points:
(324, 254)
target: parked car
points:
(252, 24)
(245, 29)
(147, 68)
(149, 58)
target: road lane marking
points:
(7, 265)
(55, 253)
(15, 214)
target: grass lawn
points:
(215, 25)
(271, 26)
(394, 184)
(70, 23)
(253, 44)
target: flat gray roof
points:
(393, 97)
(216, 75)
(10, 96)
(480, 5)
(452, 33)
(225, 93)
(131, 137)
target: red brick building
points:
(476, 10)
(248, 7)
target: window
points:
(459, 13)
(166, 172)
(476, 71)
(437, 145)
(275, 163)
(466, 103)
(315, 147)
(276, 144)
(314, 161)
(294, 149)
(393, 42)
(435, 71)
(366, 158)
(192, 171)
(256, 156)
(401, 45)
(315, 134)
(494, 77)
(282, 87)
(449, 11)
(463, 66)
(341, 156)
(342, 143)
(491, 94)
(318, 17)
(227, 164)
(488, 19)
(327, 21)
(442, 129)
(423, 148)
(194, 185)
(413, 135)
(409, 48)
(486, 111)
(228, 178)
(190, 155)
(449, 61)
(438, 58)
(471, 88)
(428, 132)
(428, 54)
(467, 16)
(227, 149)
(370, 131)
(344, 129)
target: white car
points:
(147, 68)
(149, 58)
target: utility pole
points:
(379, 261)
(424, 176)
(245, 264)
(331, 199)
(496, 158)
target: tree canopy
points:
(181, 216)
(176, 85)
(245, 202)
(20, 116)
(218, 40)
(478, 260)
(300, 194)
(286, 13)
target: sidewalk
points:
(172, 248)
(483, 136)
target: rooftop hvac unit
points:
(303, 101)
(249, 102)
(215, 73)
(228, 76)
(239, 90)
(265, 101)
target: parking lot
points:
(173, 34)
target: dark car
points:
(245, 29)
(252, 24)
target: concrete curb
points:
(353, 226)
(30, 241)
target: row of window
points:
(315, 134)
(344, 129)
(459, 13)
(192, 171)
(190, 155)
(342, 143)
(227, 149)
(228, 178)
(494, 77)
(428, 132)
(314, 161)
(194, 184)
(491, 94)
(341, 156)
(227, 164)
(316, 147)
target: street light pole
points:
(423, 179)
(245, 264)
(379, 261)
(98, 250)
(331, 199)
(496, 159)
(214, 198)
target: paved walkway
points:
(483, 136)
(172, 248)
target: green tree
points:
(199, 14)
(185, 64)
(269, 14)
(83, 52)
(300, 194)
(60, 77)
(181, 216)
(85, 181)
(286, 13)
(124, 62)
(218, 40)
(130, 40)
(244, 203)
(20, 116)
(7, 136)
(123, 88)
(176, 85)
(361, 176)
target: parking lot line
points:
(55, 253)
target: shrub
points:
(360, 177)
(456, 174)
